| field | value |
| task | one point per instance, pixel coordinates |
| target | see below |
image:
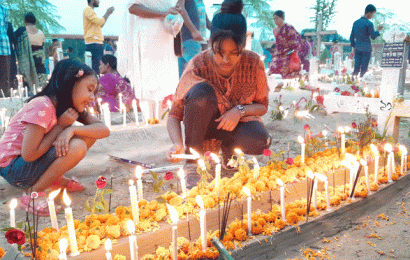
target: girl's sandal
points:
(72, 186)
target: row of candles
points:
(136, 194)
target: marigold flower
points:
(93, 242)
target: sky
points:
(297, 13)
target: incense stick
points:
(355, 181)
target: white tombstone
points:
(87, 56)
(60, 54)
(337, 61)
(51, 65)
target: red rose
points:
(353, 125)
(353, 87)
(169, 176)
(307, 127)
(101, 182)
(337, 89)
(289, 161)
(345, 93)
(267, 152)
(320, 99)
(16, 236)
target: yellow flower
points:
(119, 257)
(113, 220)
(160, 215)
(93, 242)
(175, 201)
(1, 253)
(113, 231)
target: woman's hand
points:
(229, 120)
(175, 149)
(62, 141)
(68, 118)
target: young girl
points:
(41, 143)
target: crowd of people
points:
(219, 98)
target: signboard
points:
(393, 55)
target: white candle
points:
(388, 148)
(108, 248)
(376, 162)
(324, 179)
(314, 195)
(52, 209)
(99, 100)
(120, 99)
(372, 93)
(202, 220)
(156, 109)
(403, 151)
(301, 140)
(134, 202)
(174, 218)
(138, 173)
(201, 164)
(342, 140)
(282, 198)
(240, 156)
(123, 109)
(324, 133)
(181, 175)
(366, 174)
(217, 170)
(135, 108)
(107, 114)
(132, 240)
(63, 248)
(70, 225)
(13, 205)
(249, 200)
(255, 168)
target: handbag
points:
(294, 62)
(173, 23)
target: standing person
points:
(93, 37)
(13, 65)
(41, 143)
(335, 48)
(362, 31)
(221, 95)
(146, 50)
(204, 22)
(191, 37)
(287, 41)
(4, 53)
(305, 53)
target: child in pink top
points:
(41, 143)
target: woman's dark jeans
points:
(201, 111)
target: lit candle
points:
(255, 168)
(403, 151)
(135, 108)
(240, 155)
(107, 114)
(13, 205)
(301, 140)
(169, 104)
(123, 109)
(70, 225)
(376, 162)
(156, 109)
(217, 170)
(174, 218)
(249, 200)
(63, 248)
(202, 220)
(138, 174)
(201, 164)
(120, 99)
(52, 209)
(282, 198)
(92, 111)
(388, 148)
(324, 133)
(99, 100)
(108, 248)
(372, 93)
(324, 179)
(366, 174)
(134, 202)
(342, 139)
(181, 175)
(352, 167)
(133, 240)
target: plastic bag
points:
(294, 62)
(173, 23)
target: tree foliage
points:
(328, 10)
(45, 12)
(389, 20)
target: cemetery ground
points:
(369, 237)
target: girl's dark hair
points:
(60, 87)
(111, 60)
(232, 7)
(30, 18)
(217, 40)
(279, 13)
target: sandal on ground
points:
(40, 205)
(72, 186)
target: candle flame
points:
(201, 164)
(365, 90)
(351, 157)
(131, 182)
(131, 227)
(120, 94)
(138, 172)
(315, 95)
(238, 151)
(13, 203)
(247, 191)
(181, 173)
(301, 139)
(53, 194)
(200, 202)
(363, 162)
(347, 129)
(194, 152)
(324, 132)
(280, 182)
(285, 113)
(99, 99)
(310, 174)
(134, 103)
(340, 129)
(66, 199)
(254, 160)
(63, 245)
(174, 214)
(321, 177)
(281, 108)
(215, 158)
(388, 148)
(374, 149)
(403, 149)
(108, 245)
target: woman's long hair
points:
(60, 87)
